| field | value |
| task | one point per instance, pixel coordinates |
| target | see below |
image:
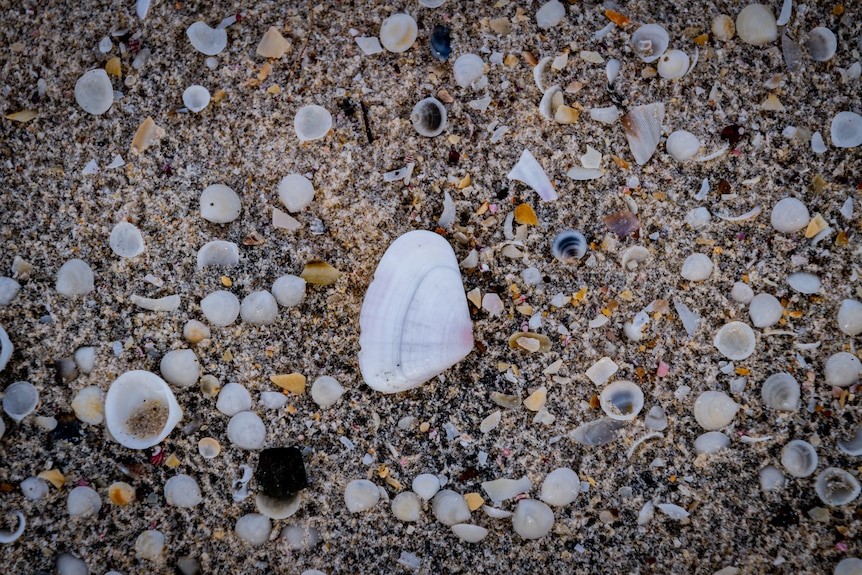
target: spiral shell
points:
(429, 117)
(799, 458)
(569, 246)
(781, 392)
(836, 487)
(673, 64)
(622, 400)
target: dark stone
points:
(440, 42)
(280, 471)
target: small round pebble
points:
(450, 508)
(220, 204)
(246, 430)
(126, 240)
(426, 485)
(790, 215)
(253, 528)
(150, 544)
(221, 308)
(406, 506)
(182, 491)
(532, 519)
(180, 367)
(850, 317)
(289, 290)
(75, 278)
(741, 293)
(296, 192)
(34, 488)
(361, 495)
(765, 310)
(9, 288)
(842, 369)
(326, 391)
(93, 92)
(697, 267)
(195, 331)
(233, 398)
(259, 308)
(83, 501)
(560, 487)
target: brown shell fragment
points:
(623, 223)
(148, 134)
(527, 341)
(292, 382)
(273, 44)
(22, 116)
(318, 272)
(524, 214)
(113, 67)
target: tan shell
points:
(273, 44)
(319, 272)
(516, 341)
(148, 134)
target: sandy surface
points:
(50, 212)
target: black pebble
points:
(280, 472)
(440, 47)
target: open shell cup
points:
(622, 400)
(140, 409)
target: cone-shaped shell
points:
(414, 321)
(140, 409)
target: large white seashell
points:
(643, 129)
(467, 69)
(846, 130)
(673, 64)
(6, 349)
(530, 171)
(781, 391)
(140, 409)
(799, 458)
(622, 400)
(220, 204)
(650, 42)
(821, 44)
(756, 25)
(209, 41)
(398, 32)
(414, 321)
(836, 487)
(714, 410)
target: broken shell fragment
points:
(735, 340)
(10, 536)
(398, 32)
(140, 409)
(414, 321)
(209, 41)
(6, 349)
(147, 134)
(723, 27)
(320, 273)
(218, 253)
(821, 44)
(529, 171)
(312, 122)
(714, 410)
(429, 117)
(643, 129)
(836, 487)
(569, 246)
(532, 342)
(756, 25)
(551, 101)
(597, 432)
(94, 93)
(273, 44)
(649, 42)
(710, 442)
(621, 400)
(799, 458)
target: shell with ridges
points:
(781, 391)
(429, 117)
(643, 129)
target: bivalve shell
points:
(209, 41)
(710, 442)
(6, 348)
(765, 310)
(846, 130)
(20, 400)
(196, 98)
(312, 122)
(836, 487)
(799, 458)
(723, 27)
(673, 64)
(398, 32)
(649, 42)
(850, 317)
(621, 400)
(842, 369)
(790, 215)
(126, 240)
(140, 409)
(781, 392)
(821, 44)
(756, 25)
(94, 93)
(468, 68)
(735, 340)
(714, 410)
(682, 145)
(220, 204)
(643, 129)
(414, 321)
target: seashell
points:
(583, 174)
(612, 70)
(723, 27)
(756, 25)
(6, 348)
(696, 267)
(296, 192)
(765, 310)
(246, 430)
(698, 218)
(7, 536)
(469, 533)
(561, 487)
(326, 391)
(735, 340)
(426, 485)
(9, 289)
(369, 45)
(854, 445)
(278, 507)
(533, 342)
(741, 293)
(206, 40)
(673, 511)
(781, 391)
(221, 308)
(272, 45)
(414, 321)
(623, 224)
(569, 246)
(253, 528)
(682, 146)
(846, 130)
(790, 215)
(656, 418)
(450, 508)
(771, 478)
(529, 171)
(432, 3)
(710, 442)
(673, 64)
(398, 32)
(550, 14)
(75, 278)
(714, 410)
(842, 369)
(607, 115)
(89, 405)
(539, 71)
(821, 44)
(220, 204)
(643, 129)
(20, 400)
(259, 308)
(147, 134)
(551, 100)
(634, 256)
(209, 448)
(850, 317)
(140, 409)
(312, 122)
(289, 290)
(621, 400)
(93, 92)
(468, 68)
(804, 282)
(649, 42)
(500, 490)
(126, 240)
(218, 253)
(319, 273)
(597, 432)
(799, 458)
(440, 43)
(532, 519)
(429, 117)
(196, 98)
(848, 566)
(836, 487)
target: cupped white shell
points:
(842, 369)
(846, 130)
(673, 64)
(196, 98)
(682, 145)
(649, 42)
(220, 204)
(799, 458)
(714, 410)
(852, 446)
(836, 487)
(850, 317)
(781, 391)
(209, 41)
(398, 32)
(735, 340)
(804, 282)
(126, 240)
(140, 409)
(93, 92)
(821, 44)
(710, 442)
(312, 122)
(218, 253)
(429, 117)
(642, 126)
(467, 69)
(20, 399)
(414, 322)
(790, 215)
(756, 25)
(765, 310)
(723, 27)
(621, 400)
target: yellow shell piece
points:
(524, 214)
(113, 67)
(22, 116)
(172, 461)
(815, 226)
(537, 400)
(474, 501)
(525, 340)
(147, 134)
(292, 382)
(121, 493)
(273, 44)
(54, 477)
(320, 273)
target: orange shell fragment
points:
(524, 214)
(617, 18)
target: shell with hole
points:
(140, 409)
(414, 323)
(649, 42)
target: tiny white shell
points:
(621, 400)
(846, 130)
(295, 192)
(756, 25)
(790, 215)
(94, 93)
(218, 253)
(673, 64)
(550, 14)
(468, 68)
(607, 115)
(532, 519)
(450, 508)
(836, 487)
(551, 100)
(765, 310)
(140, 409)
(398, 32)
(429, 117)
(781, 392)
(649, 42)
(771, 478)
(710, 442)
(804, 282)
(821, 44)
(696, 267)
(714, 410)
(723, 27)
(853, 446)
(682, 145)
(741, 293)
(633, 257)
(842, 369)
(612, 70)
(850, 317)
(209, 41)
(221, 308)
(469, 533)
(312, 122)
(20, 400)
(220, 204)
(126, 240)
(196, 98)
(735, 340)
(799, 458)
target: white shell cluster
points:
(414, 321)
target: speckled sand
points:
(50, 212)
